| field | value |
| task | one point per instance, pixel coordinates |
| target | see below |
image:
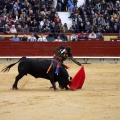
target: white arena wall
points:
(83, 60)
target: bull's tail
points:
(11, 65)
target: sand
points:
(99, 98)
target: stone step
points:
(64, 18)
(80, 2)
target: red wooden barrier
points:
(82, 48)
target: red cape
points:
(78, 80)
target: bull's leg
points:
(53, 84)
(18, 77)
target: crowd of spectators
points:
(94, 16)
(34, 37)
(32, 16)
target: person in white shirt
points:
(42, 39)
(58, 39)
(32, 38)
(13, 29)
(92, 35)
(74, 37)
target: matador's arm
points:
(75, 61)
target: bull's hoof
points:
(15, 88)
(67, 88)
(55, 89)
(61, 87)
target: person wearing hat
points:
(13, 29)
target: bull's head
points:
(63, 82)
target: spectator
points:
(6, 29)
(36, 36)
(46, 28)
(24, 38)
(58, 28)
(16, 6)
(87, 27)
(13, 29)
(84, 35)
(59, 5)
(22, 22)
(42, 5)
(98, 7)
(53, 12)
(107, 29)
(1, 24)
(75, 2)
(65, 28)
(74, 37)
(32, 38)
(58, 39)
(19, 28)
(43, 23)
(71, 6)
(50, 37)
(1, 38)
(57, 19)
(75, 27)
(49, 4)
(79, 37)
(99, 35)
(64, 38)
(81, 27)
(42, 39)
(64, 7)
(115, 29)
(92, 35)
(35, 25)
(52, 27)
(111, 23)
(15, 38)
(54, 3)
(71, 30)
(26, 28)
(30, 24)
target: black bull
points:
(38, 69)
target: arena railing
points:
(107, 36)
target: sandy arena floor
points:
(99, 99)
